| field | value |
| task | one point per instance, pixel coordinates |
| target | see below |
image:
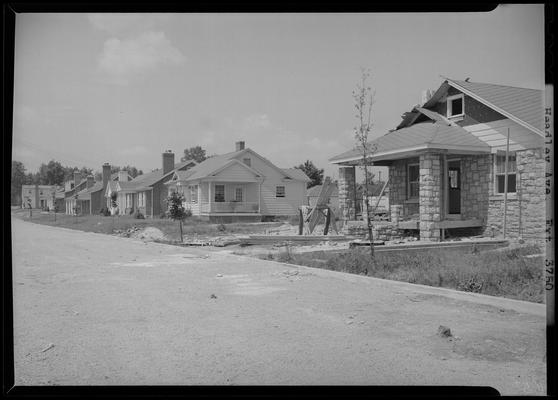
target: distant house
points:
(313, 193)
(38, 196)
(91, 199)
(241, 185)
(447, 162)
(146, 193)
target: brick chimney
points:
(239, 145)
(122, 176)
(90, 181)
(106, 174)
(77, 178)
(168, 161)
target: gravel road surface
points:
(94, 309)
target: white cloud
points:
(123, 58)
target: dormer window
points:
(456, 106)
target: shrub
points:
(164, 215)
(104, 211)
(138, 215)
(187, 213)
(221, 228)
(131, 212)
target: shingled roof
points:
(432, 135)
(524, 105)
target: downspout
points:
(355, 195)
(506, 182)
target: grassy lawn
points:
(95, 223)
(506, 272)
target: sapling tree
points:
(364, 99)
(177, 212)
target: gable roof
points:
(144, 181)
(524, 106)
(212, 164)
(296, 174)
(435, 135)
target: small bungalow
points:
(146, 193)
(447, 163)
(241, 185)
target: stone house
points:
(240, 186)
(447, 164)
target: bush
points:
(104, 211)
(131, 212)
(221, 228)
(187, 213)
(164, 215)
(138, 215)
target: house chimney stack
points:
(77, 178)
(239, 145)
(123, 176)
(168, 162)
(90, 181)
(106, 174)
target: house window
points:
(194, 194)
(247, 161)
(141, 199)
(280, 191)
(238, 194)
(128, 200)
(219, 193)
(456, 106)
(413, 178)
(500, 172)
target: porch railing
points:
(230, 207)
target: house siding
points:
(475, 111)
(295, 191)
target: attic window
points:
(456, 106)
(247, 161)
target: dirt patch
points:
(148, 234)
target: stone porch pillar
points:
(430, 196)
(346, 193)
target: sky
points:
(124, 88)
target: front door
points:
(454, 187)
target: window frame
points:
(215, 193)
(409, 165)
(249, 163)
(450, 99)
(277, 195)
(496, 174)
(193, 194)
(236, 189)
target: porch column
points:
(260, 198)
(430, 196)
(209, 196)
(347, 193)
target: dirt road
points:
(94, 309)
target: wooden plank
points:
(450, 224)
(315, 215)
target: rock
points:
(444, 331)
(212, 296)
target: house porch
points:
(429, 192)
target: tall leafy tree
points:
(195, 153)
(313, 172)
(19, 178)
(52, 173)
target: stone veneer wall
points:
(430, 193)
(475, 186)
(530, 197)
(346, 193)
(398, 186)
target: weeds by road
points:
(108, 225)
(512, 273)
